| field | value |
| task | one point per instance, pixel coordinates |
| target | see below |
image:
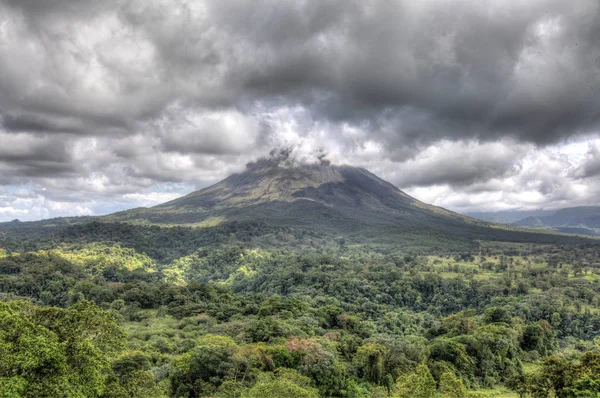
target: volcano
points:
(320, 196)
(339, 201)
(281, 202)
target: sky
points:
(473, 105)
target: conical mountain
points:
(319, 196)
(329, 200)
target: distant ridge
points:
(581, 220)
(507, 216)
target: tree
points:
(496, 314)
(48, 352)
(419, 384)
(557, 371)
(201, 371)
(452, 387)
(452, 352)
(284, 383)
(319, 364)
(370, 360)
(277, 389)
(518, 383)
(539, 336)
(132, 377)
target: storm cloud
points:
(104, 101)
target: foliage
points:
(419, 384)
(105, 320)
(48, 352)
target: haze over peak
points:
(291, 156)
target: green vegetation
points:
(51, 352)
(104, 320)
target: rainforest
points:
(99, 319)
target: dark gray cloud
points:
(115, 97)
(461, 165)
(23, 155)
(419, 71)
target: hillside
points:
(581, 220)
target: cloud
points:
(113, 98)
(591, 165)
(461, 164)
(27, 206)
(543, 179)
(411, 72)
(151, 198)
(225, 132)
(33, 156)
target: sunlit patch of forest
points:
(104, 320)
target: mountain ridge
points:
(580, 219)
(507, 216)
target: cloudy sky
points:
(467, 104)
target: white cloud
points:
(547, 178)
(151, 198)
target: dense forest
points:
(103, 319)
